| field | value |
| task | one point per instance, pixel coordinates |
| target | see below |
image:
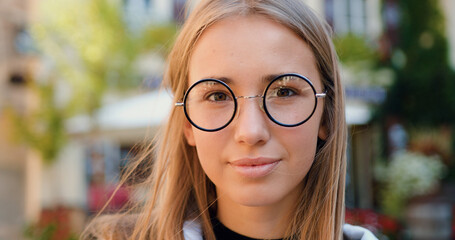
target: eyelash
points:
(214, 93)
(276, 90)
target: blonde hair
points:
(177, 186)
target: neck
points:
(262, 222)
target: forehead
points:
(250, 47)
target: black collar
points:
(224, 233)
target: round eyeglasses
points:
(289, 100)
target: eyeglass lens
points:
(210, 104)
(289, 100)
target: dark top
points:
(224, 233)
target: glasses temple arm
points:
(321, 95)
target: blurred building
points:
(448, 7)
(361, 18)
(27, 188)
(15, 65)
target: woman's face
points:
(254, 161)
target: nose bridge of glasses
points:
(261, 105)
(249, 97)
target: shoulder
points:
(192, 231)
(351, 232)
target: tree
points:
(422, 94)
(90, 49)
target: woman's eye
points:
(218, 96)
(284, 92)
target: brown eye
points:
(284, 92)
(218, 96)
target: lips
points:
(254, 167)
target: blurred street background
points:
(80, 89)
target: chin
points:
(256, 199)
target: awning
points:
(142, 111)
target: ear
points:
(189, 135)
(322, 134)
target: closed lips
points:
(255, 167)
(254, 161)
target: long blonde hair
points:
(178, 189)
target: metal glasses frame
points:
(263, 105)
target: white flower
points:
(411, 174)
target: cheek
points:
(209, 147)
(301, 143)
(309, 131)
(304, 145)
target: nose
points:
(251, 122)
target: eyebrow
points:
(265, 79)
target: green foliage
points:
(91, 51)
(43, 128)
(353, 49)
(159, 38)
(360, 62)
(47, 232)
(423, 91)
(93, 48)
(40, 234)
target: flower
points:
(407, 175)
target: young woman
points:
(255, 145)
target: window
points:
(347, 16)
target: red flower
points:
(371, 220)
